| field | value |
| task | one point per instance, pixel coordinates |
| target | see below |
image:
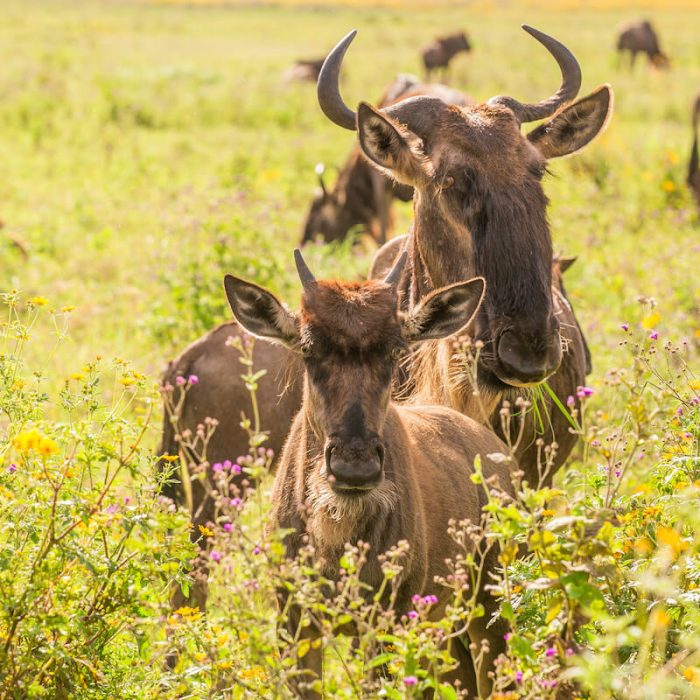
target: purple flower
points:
(519, 676)
(679, 411)
(192, 379)
(12, 468)
(235, 502)
(217, 467)
(570, 401)
(618, 473)
(228, 527)
(430, 599)
(506, 636)
(256, 550)
(236, 468)
(180, 381)
(654, 335)
(569, 651)
(625, 327)
(584, 392)
(550, 652)
(112, 508)
(227, 464)
(215, 556)
(412, 614)
(415, 599)
(410, 681)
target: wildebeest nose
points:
(521, 363)
(354, 469)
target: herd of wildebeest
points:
(368, 394)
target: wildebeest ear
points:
(574, 127)
(444, 311)
(396, 150)
(260, 312)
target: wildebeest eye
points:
(397, 353)
(448, 182)
(306, 350)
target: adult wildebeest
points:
(357, 467)
(480, 210)
(439, 52)
(303, 70)
(362, 196)
(693, 172)
(640, 37)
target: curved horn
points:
(395, 273)
(328, 89)
(570, 85)
(307, 278)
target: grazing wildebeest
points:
(640, 37)
(439, 52)
(357, 466)
(303, 70)
(480, 210)
(362, 196)
(693, 172)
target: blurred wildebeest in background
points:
(362, 196)
(439, 53)
(640, 37)
(303, 70)
(693, 172)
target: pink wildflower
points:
(410, 681)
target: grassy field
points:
(148, 149)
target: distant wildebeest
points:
(693, 171)
(480, 210)
(303, 71)
(358, 467)
(640, 37)
(439, 52)
(362, 196)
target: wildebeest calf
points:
(357, 466)
(439, 53)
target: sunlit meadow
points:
(150, 148)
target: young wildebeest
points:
(357, 466)
(640, 37)
(439, 52)
(693, 172)
(362, 195)
(480, 210)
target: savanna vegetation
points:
(148, 149)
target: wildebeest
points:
(439, 52)
(362, 196)
(693, 172)
(480, 210)
(640, 37)
(303, 70)
(357, 466)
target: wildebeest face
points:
(351, 336)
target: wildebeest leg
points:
(310, 665)
(465, 672)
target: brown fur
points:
(362, 196)
(347, 331)
(640, 37)
(303, 70)
(693, 170)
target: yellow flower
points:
(67, 309)
(547, 512)
(691, 675)
(18, 385)
(39, 301)
(206, 531)
(78, 376)
(169, 458)
(651, 511)
(651, 321)
(33, 440)
(127, 381)
(671, 538)
(255, 673)
(669, 186)
(643, 546)
(189, 614)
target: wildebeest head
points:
(479, 201)
(351, 337)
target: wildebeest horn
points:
(328, 88)
(319, 170)
(571, 83)
(395, 273)
(307, 278)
